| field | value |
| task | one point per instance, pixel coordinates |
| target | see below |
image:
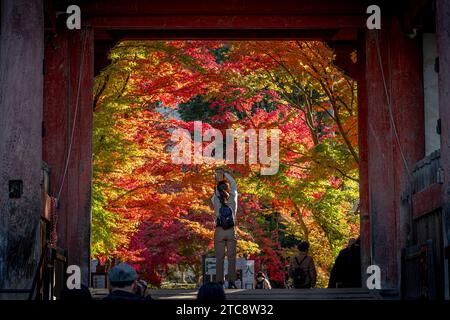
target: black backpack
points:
(225, 218)
(301, 278)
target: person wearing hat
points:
(123, 283)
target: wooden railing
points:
(426, 172)
(427, 185)
(422, 259)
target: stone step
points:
(274, 294)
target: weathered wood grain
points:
(443, 44)
(21, 82)
(64, 58)
(387, 174)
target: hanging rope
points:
(83, 36)
(389, 104)
(53, 221)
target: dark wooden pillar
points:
(381, 186)
(365, 230)
(443, 44)
(406, 65)
(394, 95)
(21, 82)
(68, 106)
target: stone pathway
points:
(274, 294)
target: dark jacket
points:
(307, 264)
(125, 295)
(346, 272)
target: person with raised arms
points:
(224, 201)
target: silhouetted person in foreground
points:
(346, 271)
(82, 294)
(302, 269)
(123, 284)
(211, 292)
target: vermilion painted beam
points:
(106, 39)
(228, 34)
(174, 22)
(228, 7)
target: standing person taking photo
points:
(224, 201)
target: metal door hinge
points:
(440, 176)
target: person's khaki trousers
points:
(224, 238)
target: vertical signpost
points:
(246, 268)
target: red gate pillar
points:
(393, 95)
(68, 102)
(365, 230)
(21, 82)
(443, 44)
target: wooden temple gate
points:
(46, 82)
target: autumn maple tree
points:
(157, 215)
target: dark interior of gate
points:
(404, 171)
